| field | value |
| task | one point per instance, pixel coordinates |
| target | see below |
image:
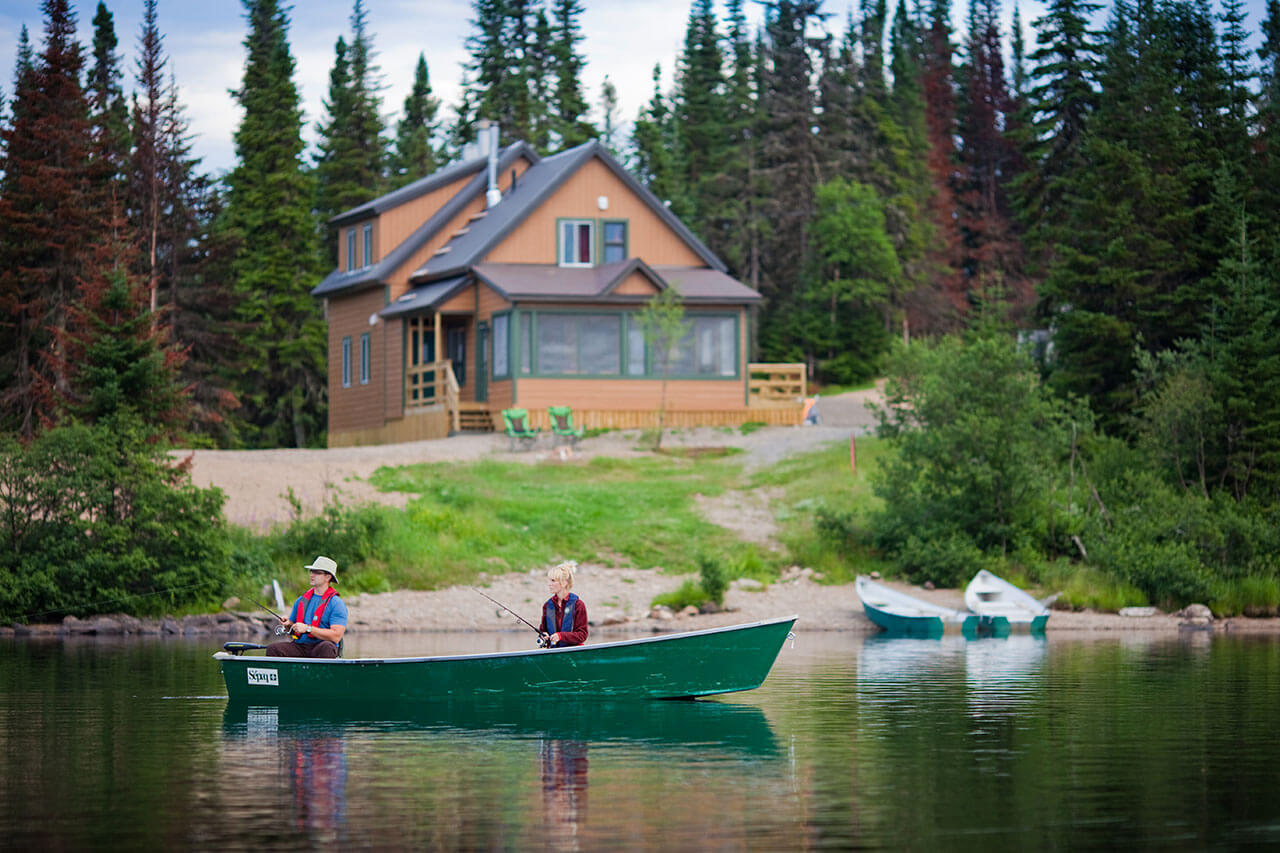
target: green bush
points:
(96, 519)
(688, 593)
(714, 579)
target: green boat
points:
(670, 666)
(905, 615)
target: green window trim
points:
(525, 336)
(505, 332)
(606, 243)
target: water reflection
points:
(564, 790)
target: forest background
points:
(1062, 254)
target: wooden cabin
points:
(514, 280)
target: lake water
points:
(1152, 742)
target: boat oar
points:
(542, 638)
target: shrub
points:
(714, 579)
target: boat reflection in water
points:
(999, 673)
(444, 758)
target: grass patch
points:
(1251, 595)
(751, 426)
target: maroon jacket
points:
(578, 635)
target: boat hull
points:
(697, 663)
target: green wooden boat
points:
(670, 666)
(905, 615)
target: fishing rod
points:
(279, 628)
(542, 637)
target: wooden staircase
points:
(474, 417)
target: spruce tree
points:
(698, 104)
(658, 161)
(276, 262)
(415, 153)
(147, 196)
(351, 157)
(108, 112)
(568, 106)
(609, 118)
(49, 216)
(506, 72)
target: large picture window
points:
(564, 344)
(710, 348)
(579, 344)
(577, 240)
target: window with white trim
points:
(577, 242)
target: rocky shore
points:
(619, 604)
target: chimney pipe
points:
(494, 195)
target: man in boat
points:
(564, 616)
(318, 619)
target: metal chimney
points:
(494, 195)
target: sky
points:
(204, 42)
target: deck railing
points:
(773, 385)
(433, 384)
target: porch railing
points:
(772, 385)
(433, 384)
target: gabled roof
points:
(525, 283)
(370, 276)
(535, 186)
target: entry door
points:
(482, 363)
(455, 347)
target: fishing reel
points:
(280, 629)
(544, 640)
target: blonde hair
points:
(563, 572)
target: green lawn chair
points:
(562, 425)
(518, 430)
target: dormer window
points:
(577, 242)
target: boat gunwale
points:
(1011, 597)
(928, 609)
(258, 659)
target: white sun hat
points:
(324, 564)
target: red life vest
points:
(300, 606)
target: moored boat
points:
(899, 613)
(670, 666)
(989, 595)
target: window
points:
(635, 347)
(366, 368)
(709, 349)
(351, 248)
(526, 344)
(615, 242)
(346, 362)
(501, 335)
(577, 239)
(579, 344)
(368, 245)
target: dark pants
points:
(289, 649)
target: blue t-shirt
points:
(334, 614)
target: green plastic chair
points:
(562, 425)
(516, 422)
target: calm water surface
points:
(1150, 742)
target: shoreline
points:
(618, 607)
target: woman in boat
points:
(564, 616)
(318, 619)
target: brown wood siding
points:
(648, 237)
(500, 397)
(636, 284)
(393, 368)
(418, 425)
(360, 406)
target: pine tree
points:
(351, 157)
(506, 73)
(698, 104)
(108, 112)
(147, 176)
(276, 262)
(609, 130)
(415, 154)
(48, 215)
(946, 303)
(568, 106)
(658, 160)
